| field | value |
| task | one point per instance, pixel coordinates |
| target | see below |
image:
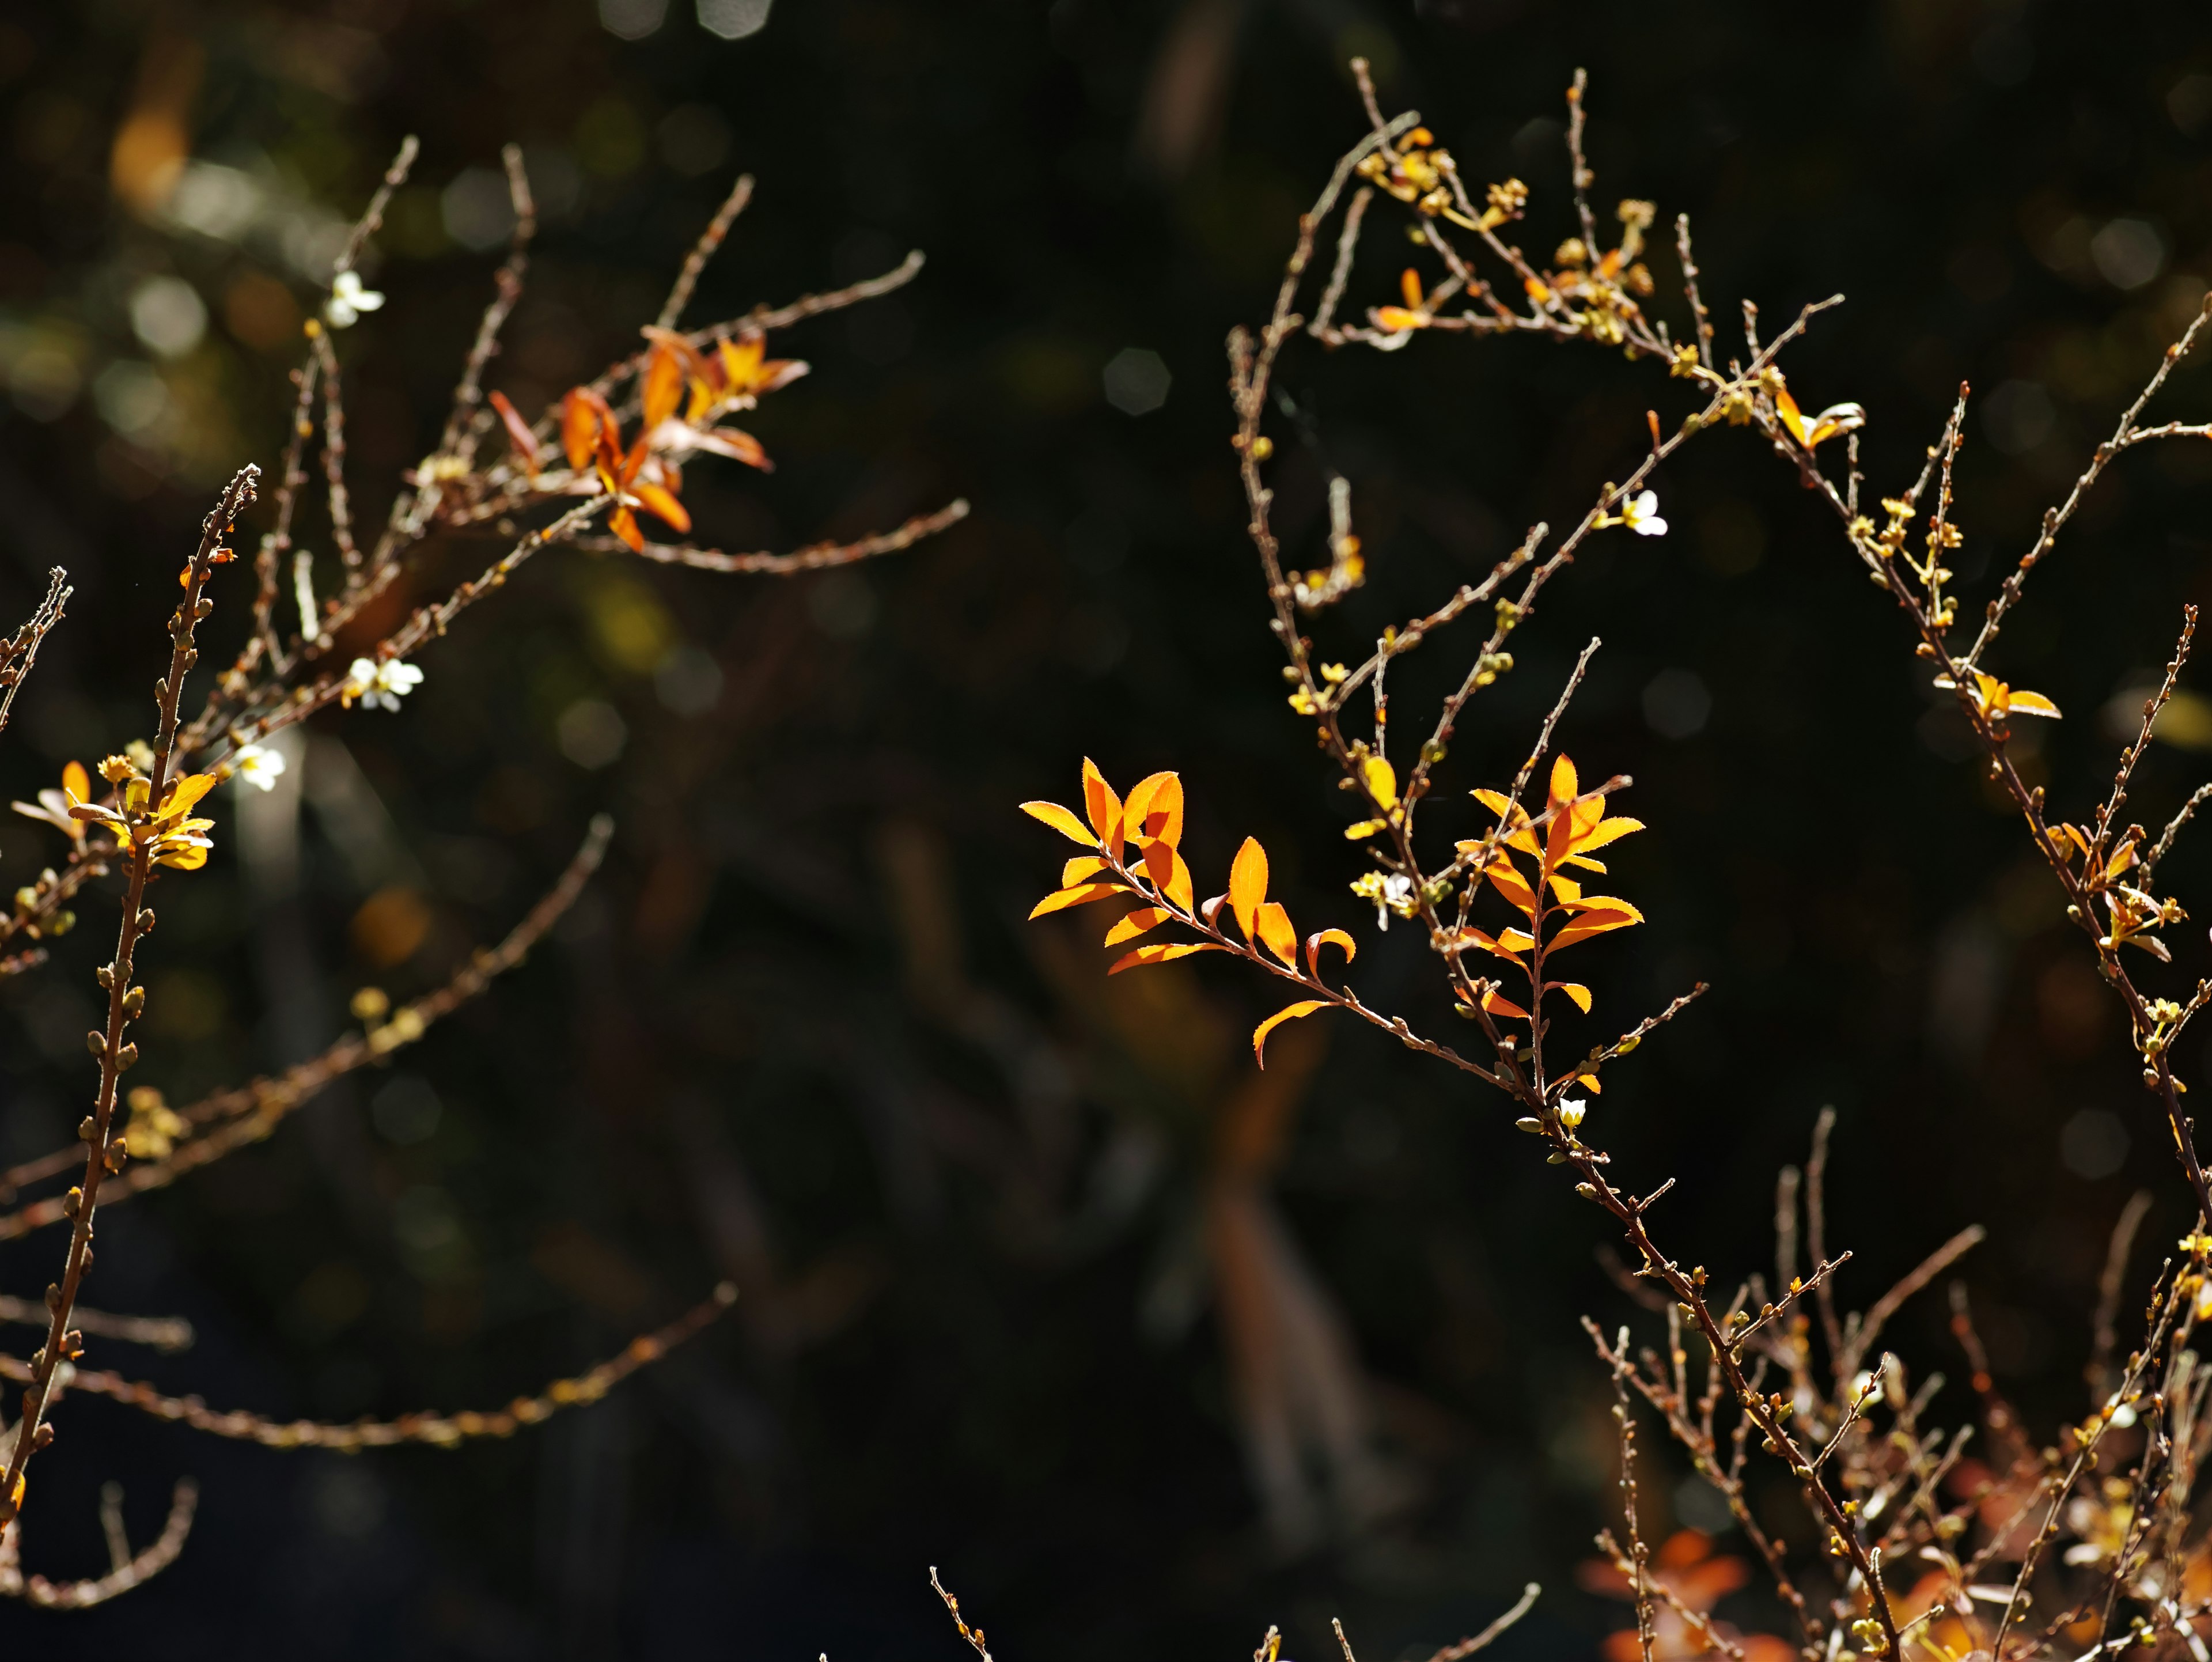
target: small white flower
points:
(1571, 1110)
(258, 766)
(1641, 515)
(379, 686)
(348, 300)
(1397, 897)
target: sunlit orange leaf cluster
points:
(1150, 823)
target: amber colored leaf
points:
(1499, 1005)
(1565, 888)
(1276, 933)
(1590, 1081)
(1506, 877)
(1583, 862)
(1061, 821)
(1409, 284)
(1397, 317)
(1500, 804)
(583, 414)
(1247, 884)
(1382, 781)
(1608, 831)
(1136, 924)
(1589, 924)
(1326, 937)
(1566, 785)
(664, 384)
(1573, 989)
(735, 443)
(1155, 809)
(1080, 868)
(1160, 952)
(1081, 895)
(76, 782)
(1100, 804)
(1288, 1013)
(519, 435)
(2032, 703)
(741, 360)
(1178, 888)
(1496, 948)
(623, 524)
(659, 503)
(1515, 941)
(185, 792)
(1786, 407)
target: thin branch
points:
(679, 296)
(815, 557)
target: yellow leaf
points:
(1103, 807)
(1276, 933)
(1786, 407)
(1589, 1081)
(1082, 895)
(185, 792)
(1160, 952)
(1061, 821)
(1136, 924)
(1565, 786)
(1506, 877)
(1575, 990)
(1076, 870)
(1382, 781)
(2032, 703)
(1316, 942)
(1154, 808)
(1583, 862)
(1247, 884)
(76, 782)
(1565, 887)
(1501, 805)
(1397, 317)
(1288, 1013)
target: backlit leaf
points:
(1786, 407)
(1409, 284)
(1081, 895)
(519, 435)
(583, 414)
(76, 782)
(1506, 877)
(1566, 785)
(1326, 937)
(1276, 933)
(1382, 781)
(1161, 953)
(1136, 924)
(623, 524)
(663, 385)
(1178, 887)
(2032, 703)
(1575, 990)
(1102, 806)
(1155, 809)
(1499, 1005)
(1247, 884)
(1080, 868)
(659, 502)
(1061, 821)
(1288, 1013)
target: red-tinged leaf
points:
(1565, 786)
(587, 424)
(1288, 1013)
(1081, 895)
(623, 524)
(1061, 821)
(735, 443)
(1499, 1005)
(1080, 868)
(1100, 806)
(1155, 809)
(1326, 937)
(1136, 924)
(1161, 953)
(664, 384)
(1573, 989)
(659, 503)
(1247, 884)
(1276, 933)
(519, 435)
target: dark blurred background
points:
(1043, 1283)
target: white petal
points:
(1645, 505)
(1650, 525)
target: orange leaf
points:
(583, 413)
(1288, 1013)
(1565, 786)
(1506, 877)
(1409, 284)
(1397, 317)
(1276, 933)
(1499, 1005)
(1136, 924)
(1316, 942)
(735, 443)
(76, 782)
(1081, 895)
(1786, 407)
(664, 384)
(1100, 806)
(1608, 831)
(2032, 703)
(1155, 809)
(1161, 953)
(518, 435)
(1496, 948)
(1573, 989)
(1080, 869)
(659, 501)
(741, 361)
(1247, 884)
(1061, 821)
(1178, 887)
(623, 524)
